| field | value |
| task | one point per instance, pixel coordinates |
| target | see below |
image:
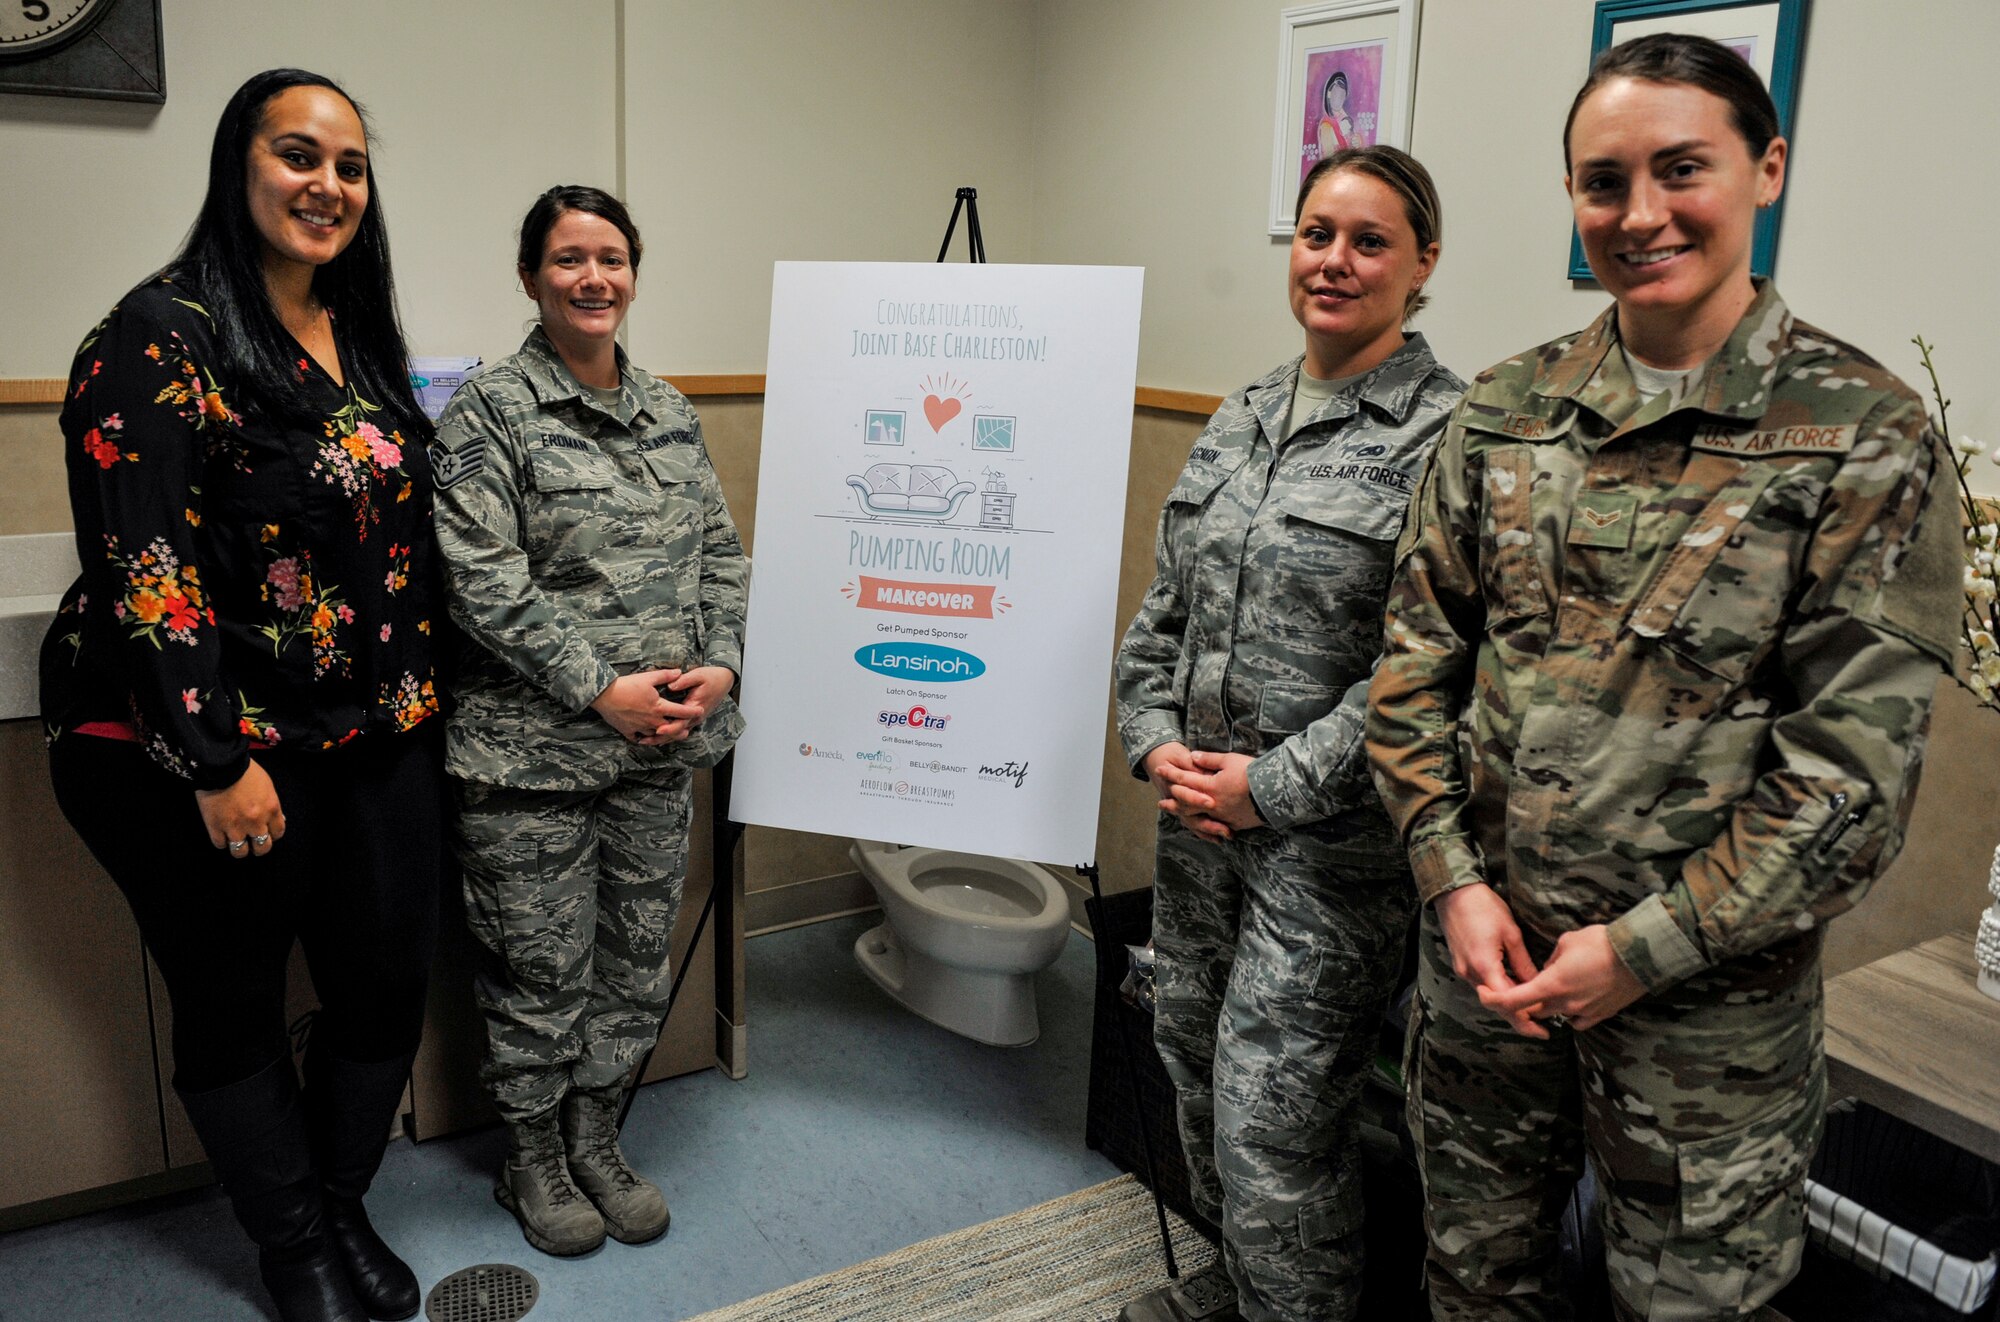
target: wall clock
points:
(108, 49)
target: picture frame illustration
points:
(1346, 78)
(1769, 34)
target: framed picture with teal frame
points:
(1769, 34)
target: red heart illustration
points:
(939, 411)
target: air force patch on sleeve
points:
(451, 467)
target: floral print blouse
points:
(248, 581)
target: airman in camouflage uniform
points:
(582, 542)
(1278, 948)
(1663, 664)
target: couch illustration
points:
(923, 491)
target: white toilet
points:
(963, 938)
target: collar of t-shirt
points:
(1312, 391)
(607, 397)
(1653, 381)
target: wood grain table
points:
(1912, 1034)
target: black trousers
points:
(354, 881)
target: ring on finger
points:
(1558, 1020)
(236, 846)
(260, 840)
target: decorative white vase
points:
(1986, 949)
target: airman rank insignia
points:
(1604, 519)
(450, 467)
(1758, 442)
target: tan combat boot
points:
(535, 1186)
(633, 1209)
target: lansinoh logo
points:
(925, 661)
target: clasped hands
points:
(1583, 984)
(636, 705)
(1209, 792)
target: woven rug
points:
(1077, 1259)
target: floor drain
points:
(490, 1292)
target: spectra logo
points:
(916, 718)
(924, 661)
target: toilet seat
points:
(905, 868)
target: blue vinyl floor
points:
(860, 1129)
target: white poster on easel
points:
(940, 510)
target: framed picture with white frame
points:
(1347, 72)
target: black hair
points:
(1407, 179)
(223, 258)
(1337, 76)
(549, 208)
(1680, 57)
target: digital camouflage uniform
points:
(1278, 949)
(579, 545)
(1666, 668)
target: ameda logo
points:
(924, 661)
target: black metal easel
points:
(968, 202)
(1129, 1059)
(724, 836)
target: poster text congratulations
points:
(981, 331)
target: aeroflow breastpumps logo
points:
(925, 661)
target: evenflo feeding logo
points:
(916, 718)
(924, 661)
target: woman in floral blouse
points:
(238, 689)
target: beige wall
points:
(1153, 140)
(796, 130)
(1115, 131)
(477, 108)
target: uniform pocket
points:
(525, 901)
(1339, 543)
(570, 470)
(1285, 708)
(1742, 1217)
(1509, 567)
(1720, 597)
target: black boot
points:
(255, 1134)
(348, 1109)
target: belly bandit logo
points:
(922, 661)
(916, 718)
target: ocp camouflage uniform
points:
(580, 545)
(1278, 949)
(1665, 667)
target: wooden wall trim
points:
(696, 386)
(1177, 401)
(49, 390)
(31, 390)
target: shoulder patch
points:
(451, 467)
(1759, 441)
